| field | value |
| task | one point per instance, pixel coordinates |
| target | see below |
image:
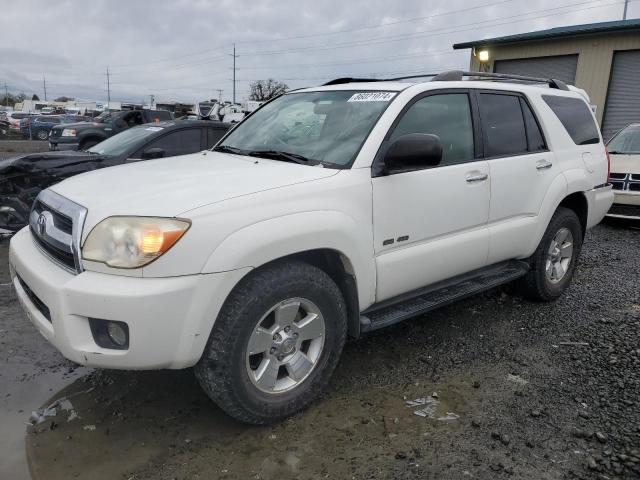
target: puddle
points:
(138, 424)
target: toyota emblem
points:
(41, 223)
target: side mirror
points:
(155, 152)
(414, 151)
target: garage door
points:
(623, 98)
(560, 67)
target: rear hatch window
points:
(576, 117)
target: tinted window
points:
(503, 125)
(215, 134)
(575, 116)
(534, 135)
(449, 117)
(178, 143)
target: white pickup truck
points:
(328, 212)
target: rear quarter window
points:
(575, 116)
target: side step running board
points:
(429, 298)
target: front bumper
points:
(625, 205)
(169, 319)
(63, 143)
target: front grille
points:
(625, 181)
(625, 210)
(39, 304)
(56, 223)
(62, 222)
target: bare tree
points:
(263, 90)
(64, 99)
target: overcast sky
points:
(181, 49)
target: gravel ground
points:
(517, 389)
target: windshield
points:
(130, 139)
(328, 127)
(103, 117)
(626, 141)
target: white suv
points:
(328, 212)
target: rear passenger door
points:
(521, 170)
(430, 225)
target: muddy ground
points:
(524, 390)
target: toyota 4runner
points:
(328, 212)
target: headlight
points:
(132, 242)
(69, 132)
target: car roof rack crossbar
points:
(455, 75)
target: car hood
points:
(76, 125)
(51, 163)
(169, 187)
(625, 163)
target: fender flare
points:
(268, 240)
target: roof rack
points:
(457, 75)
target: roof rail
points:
(455, 75)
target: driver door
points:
(431, 224)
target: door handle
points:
(543, 165)
(476, 177)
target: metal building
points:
(603, 58)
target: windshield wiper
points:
(228, 149)
(279, 155)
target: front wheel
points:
(275, 343)
(554, 261)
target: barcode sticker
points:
(372, 97)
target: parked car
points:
(4, 128)
(14, 119)
(85, 135)
(39, 127)
(254, 262)
(624, 149)
(22, 178)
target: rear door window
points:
(575, 116)
(534, 134)
(214, 136)
(502, 124)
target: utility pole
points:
(624, 14)
(219, 90)
(44, 85)
(6, 95)
(234, 72)
(108, 88)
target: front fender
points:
(268, 240)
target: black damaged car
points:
(22, 178)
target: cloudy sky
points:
(181, 49)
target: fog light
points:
(110, 333)
(117, 334)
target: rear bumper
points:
(599, 201)
(169, 319)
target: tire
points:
(87, 144)
(552, 268)
(230, 375)
(41, 134)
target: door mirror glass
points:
(154, 152)
(414, 151)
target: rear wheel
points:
(42, 134)
(275, 343)
(554, 261)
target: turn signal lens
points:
(132, 242)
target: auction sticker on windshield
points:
(372, 97)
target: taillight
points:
(606, 150)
